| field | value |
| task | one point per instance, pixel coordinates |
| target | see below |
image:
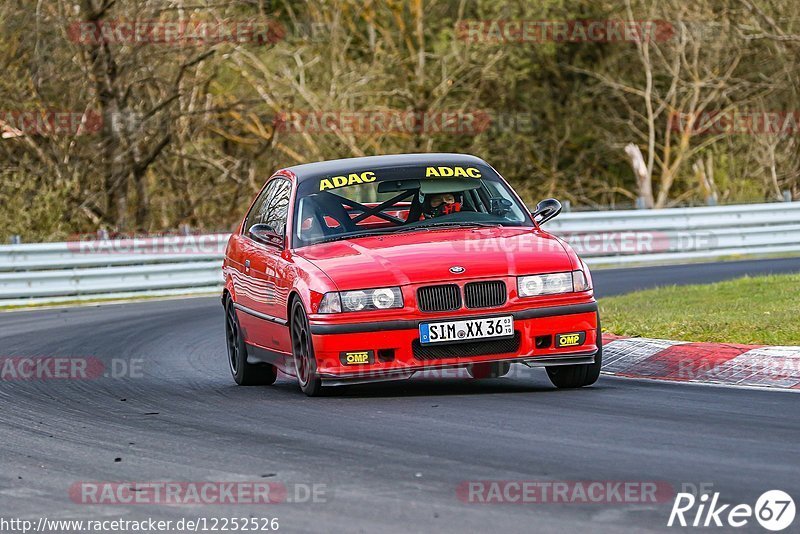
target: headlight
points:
(551, 284)
(386, 298)
(362, 300)
(354, 300)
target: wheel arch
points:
(228, 290)
(293, 296)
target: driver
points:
(442, 204)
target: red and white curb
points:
(714, 363)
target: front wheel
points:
(305, 363)
(245, 374)
(577, 376)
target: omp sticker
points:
(572, 339)
(359, 357)
(342, 181)
(468, 172)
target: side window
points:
(253, 216)
(276, 208)
(272, 207)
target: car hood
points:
(427, 256)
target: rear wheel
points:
(245, 374)
(305, 363)
(577, 376)
(489, 370)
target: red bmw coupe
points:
(368, 269)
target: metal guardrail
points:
(617, 238)
(57, 272)
(117, 268)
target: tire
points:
(578, 376)
(489, 370)
(305, 364)
(245, 374)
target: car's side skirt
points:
(259, 315)
(256, 354)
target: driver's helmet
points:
(438, 204)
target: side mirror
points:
(546, 210)
(265, 234)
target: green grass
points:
(758, 310)
(698, 261)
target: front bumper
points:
(395, 351)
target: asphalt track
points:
(390, 456)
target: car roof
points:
(342, 166)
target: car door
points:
(266, 297)
(246, 252)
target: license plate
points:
(466, 330)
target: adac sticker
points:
(572, 339)
(357, 357)
(354, 178)
(453, 172)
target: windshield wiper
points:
(399, 229)
(414, 227)
(461, 223)
(350, 235)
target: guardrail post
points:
(787, 195)
(15, 240)
(102, 234)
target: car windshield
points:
(402, 199)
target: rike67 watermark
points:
(774, 510)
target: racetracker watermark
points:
(737, 122)
(31, 368)
(176, 33)
(619, 492)
(211, 244)
(196, 493)
(383, 122)
(49, 123)
(563, 31)
(400, 122)
(589, 244)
